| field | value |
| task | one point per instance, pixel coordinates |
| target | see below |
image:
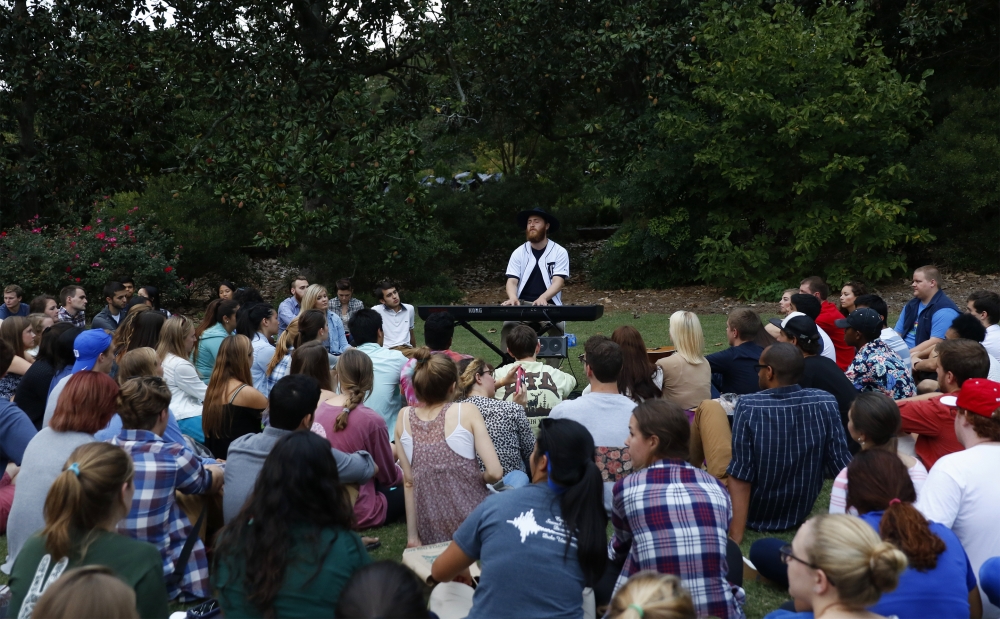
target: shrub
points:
(44, 259)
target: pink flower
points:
(77, 279)
(68, 269)
(114, 229)
(127, 228)
(168, 269)
(100, 235)
(86, 228)
(77, 256)
(96, 264)
(36, 230)
(99, 221)
(112, 239)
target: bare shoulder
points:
(251, 398)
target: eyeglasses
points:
(786, 554)
(757, 367)
(486, 373)
(582, 358)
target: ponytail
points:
(249, 317)
(907, 528)
(467, 375)
(284, 344)
(85, 496)
(356, 376)
(878, 481)
(573, 474)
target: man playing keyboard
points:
(537, 270)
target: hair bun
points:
(886, 563)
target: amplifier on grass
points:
(553, 347)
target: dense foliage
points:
(740, 145)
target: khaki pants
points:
(712, 439)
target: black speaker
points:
(552, 347)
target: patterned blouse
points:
(508, 427)
(877, 367)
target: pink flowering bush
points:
(43, 259)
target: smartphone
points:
(205, 610)
(519, 382)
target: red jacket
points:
(828, 315)
(934, 423)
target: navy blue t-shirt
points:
(732, 369)
(519, 538)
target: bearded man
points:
(537, 270)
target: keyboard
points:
(519, 313)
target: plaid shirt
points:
(352, 308)
(674, 519)
(280, 371)
(784, 440)
(877, 367)
(160, 469)
(79, 319)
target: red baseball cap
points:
(977, 395)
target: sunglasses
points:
(582, 358)
(757, 367)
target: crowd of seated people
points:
(152, 459)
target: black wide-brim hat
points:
(522, 219)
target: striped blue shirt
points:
(784, 439)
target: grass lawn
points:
(655, 329)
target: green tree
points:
(793, 132)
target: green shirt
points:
(316, 572)
(137, 563)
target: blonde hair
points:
(90, 591)
(177, 329)
(650, 595)
(309, 297)
(122, 336)
(12, 332)
(285, 343)
(687, 336)
(137, 362)
(233, 361)
(433, 376)
(467, 379)
(356, 376)
(85, 496)
(855, 559)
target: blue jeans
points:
(765, 557)
(192, 427)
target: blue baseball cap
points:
(88, 346)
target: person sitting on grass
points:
(685, 376)
(874, 424)
(650, 595)
(875, 367)
(383, 589)
(89, 401)
(985, 305)
(785, 439)
(352, 427)
(927, 416)
(890, 337)
(232, 407)
(652, 531)
(506, 422)
(732, 369)
(439, 332)
(960, 492)
(547, 386)
(838, 567)
(384, 398)
(810, 306)
(161, 469)
(88, 498)
(550, 535)
(290, 549)
(293, 401)
(437, 444)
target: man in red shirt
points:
(828, 316)
(932, 421)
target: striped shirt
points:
(784, 440)
(674, 519)
(160, 469)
